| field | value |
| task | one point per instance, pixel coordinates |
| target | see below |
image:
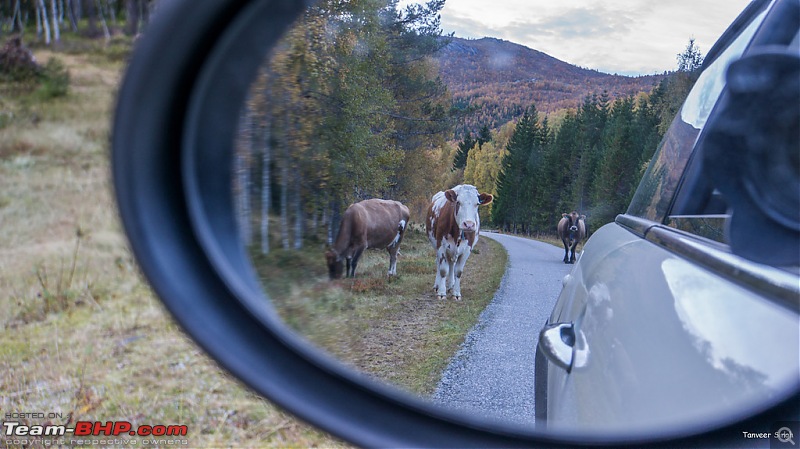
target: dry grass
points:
(82, 334)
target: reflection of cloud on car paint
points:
(721, 319)
(698, 105)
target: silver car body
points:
(659, 327)
(664, 344)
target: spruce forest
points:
(352, 104)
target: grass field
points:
(82, 335)
(392, 328)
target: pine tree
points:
(460, 160)
(612, 186)
(513, 181)
(691, 59)
(484, 136)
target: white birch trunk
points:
(247, 211)
(71, 14)
(298, 211)
(266, 193)
(45, 25)
(314, 221)
(38, 20)
(106, 33)
(285, 201)
(241, 173)
(17, 15)
(110, 8)
(285, 180)
(54, 20)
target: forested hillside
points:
(495, 80)
(352, 104)
(592, 162)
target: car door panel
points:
(724, 347)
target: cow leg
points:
(347, 268)
(566, 251)
(451, 274)
(441, 275)
(393, 251)
(572, 252)
(459, 270)
(353, 264)
(392, 260)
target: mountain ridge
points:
(498, 79)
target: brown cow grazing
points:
(368, 224)
(453, 226)
(571, 230)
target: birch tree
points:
(266, 188)
(106, 32)
(42, 20)
(54, 21)
(242, 169)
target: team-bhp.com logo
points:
(88, 428)
(115, 433)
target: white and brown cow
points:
(453, 226)
(571, 230)
(371, 223)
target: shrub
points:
(54, 80)
(17, 63)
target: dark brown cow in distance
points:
(571, 230)
(453, 225)
(374, 223)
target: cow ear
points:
(583, 217)
(563, 215)
(485, 198)
(451, 195)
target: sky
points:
(628, 37)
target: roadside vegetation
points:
(81, 334)
(392, 328)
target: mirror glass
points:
(354, 137)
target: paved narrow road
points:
(491, 375)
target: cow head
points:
(467, 200)
(335, 264)
(572, 225)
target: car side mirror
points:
(173, 130)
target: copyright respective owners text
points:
(46, 429)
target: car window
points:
(656, 193)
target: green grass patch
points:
(392, 328)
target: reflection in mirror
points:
(350, 109)
(367, 108)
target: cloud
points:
(616, 36)
(580, 23)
